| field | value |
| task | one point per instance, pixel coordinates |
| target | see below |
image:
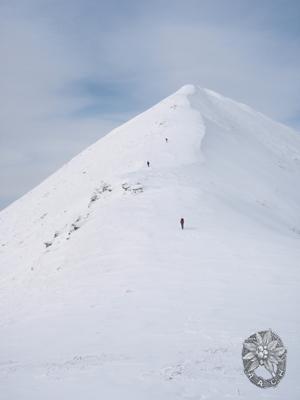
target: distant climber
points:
(148, 163)
(182, 223)
(167, 140)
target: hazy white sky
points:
(71, 70)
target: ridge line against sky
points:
(73, 70)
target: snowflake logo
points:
(264, 349)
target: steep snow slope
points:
(103, 296)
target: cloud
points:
(72, 70)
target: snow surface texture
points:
(103, 296)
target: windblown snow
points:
(103, 296)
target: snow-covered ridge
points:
(123, 151)
(245, 141)
(100, 288)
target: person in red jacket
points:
(182, 223)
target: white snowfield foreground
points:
(103, 296)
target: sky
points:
(72, 70)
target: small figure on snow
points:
(148, 163)
(182, 223)
(167, 140)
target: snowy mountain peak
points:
(100, 281)
(194, 133)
